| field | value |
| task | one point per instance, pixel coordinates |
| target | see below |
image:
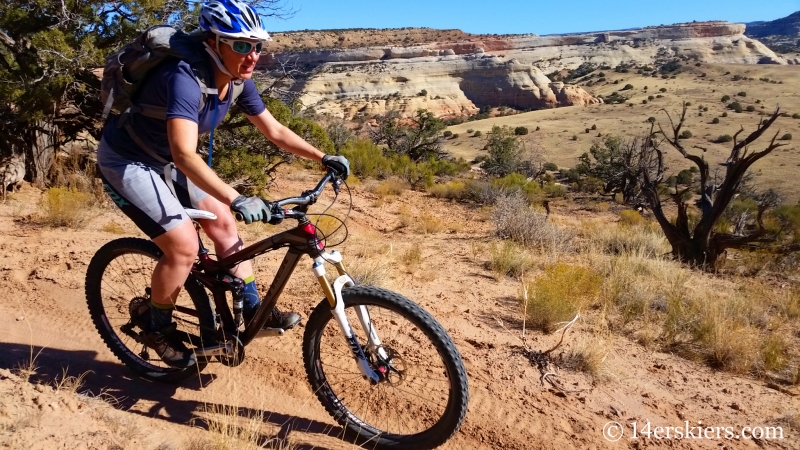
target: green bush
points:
(736, 107)
(520, 131)
(627, 87)
(685, 134)
(594, 127)
(715, 120)
(477, 133)
(795, 116)
(367, 159)
(725, 98)
(723, 139)
(786, 137)
(742, 94)
(750, 108)
(555, 190)
(447, 133)
(416, 174)
(685, 177)
(724, 114)
(550, 166)
(423, 93)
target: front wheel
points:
(118, 293)
(421, 398)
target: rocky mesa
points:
(452, 73)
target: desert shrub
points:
(685, 176)
(750, 108)
(795, 116)
(594, 127)
(520, 131)
(627, 87)
(555, 190)
(724, 114)
(725, 98)
(447, 133)
(736, 107)
(416, 174)
(559, 294)
(662, 90)
(685, 134)
(550, 166)
(423, 93)
(723, 139)
(517, 221)
(786, 137)
(741, 94)
(367, 159)
(574, 137)
(66, 207)
(651, 119)
(477, 133)
(470, 131)
(715, 120)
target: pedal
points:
(270, 332)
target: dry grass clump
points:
(517, 221)
(559, 294)
(228, 430)
(589, 355)
(412, 257)
(428, 223)
(509, 259)
(66, 207)
(453, 190)
(627, 239)
(388, 187)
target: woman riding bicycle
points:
(135, 178)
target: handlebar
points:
(307, 198)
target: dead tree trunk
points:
(701, 245)
(39, 152)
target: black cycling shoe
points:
(278, 319)
(170, 349)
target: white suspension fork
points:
(334, 295)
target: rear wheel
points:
(118, 296)
(421, 398)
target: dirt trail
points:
(41, 276)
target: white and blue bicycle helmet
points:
(232, 19)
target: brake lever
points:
(337, 185)
(276, 214)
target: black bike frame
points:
(301, 240)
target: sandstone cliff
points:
(458, 73)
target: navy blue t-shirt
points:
(174, 85)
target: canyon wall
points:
(459, 73)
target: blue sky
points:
(523, 16)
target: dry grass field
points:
(563, 131)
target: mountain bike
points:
(380, 364)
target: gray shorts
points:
(141, 192)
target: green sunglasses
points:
(243, 47)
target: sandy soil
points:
(43, 312)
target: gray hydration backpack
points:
(126, 70)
